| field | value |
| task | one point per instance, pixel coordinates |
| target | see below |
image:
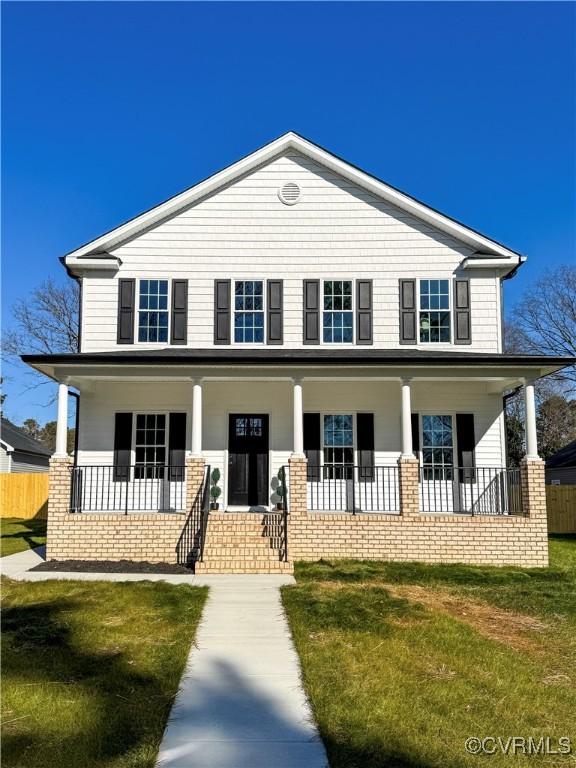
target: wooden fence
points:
(24, 495)
(561, 505)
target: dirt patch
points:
(514, 629)
(109, 566)
(517, 630)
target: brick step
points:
(239, 552)
(240, 557)
(244, 568)
(217, 538)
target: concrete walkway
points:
(241, 703)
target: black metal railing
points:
(135, 488)
(471, 490)
(190, 546)
(347, 488)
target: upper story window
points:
(337, 318)
(434, 315)
(249, 311)
(153, 310)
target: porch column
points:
(530, 406)
(197, 419)
(406, 420)
(298, 447)
(62, 423)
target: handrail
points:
(285, 513)
(470, 490)
(204, 512)
(127, 487)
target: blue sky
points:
(109, 108)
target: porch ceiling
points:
(502, 371)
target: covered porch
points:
(355, 425)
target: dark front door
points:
(248, 460)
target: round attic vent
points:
(289, 193)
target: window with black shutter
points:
(365, 445)
(312, 445)
(122, 446)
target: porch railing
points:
(135, 488)
(190, 547)
(348, 488)
(471, 490)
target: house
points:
(561, 468)
(21, 453)
(330, 344)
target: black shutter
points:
(122, 446)
(275, 308)
(222, 311)
(364, 312)
(177, 446)
(126, 302)
(415, 433)
(179, 333)
(408, 312)
(312, 444)
(311, 311)
(466, 441)
(365, 445)
(462, 324)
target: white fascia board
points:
(491, 262)
(8, 448)
(79, 265)
(291, 141)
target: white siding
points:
(25, 462)
(337, 231)
(5, 460)
(275, 399)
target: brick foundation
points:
(429, 538)
(149, 536)
(479, 540)
(408, 470)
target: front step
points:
(240, 542)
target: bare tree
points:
(45, 322)
(544, 321)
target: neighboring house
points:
(21, 453)
(561, 468)
(294, 321)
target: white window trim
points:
(345, 412)
(234, 310)
(449, 310)
(452, 415)
(151, 412)
(353, 311)
(138, 310)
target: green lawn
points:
(90, 669)
(403, 662)
(17, 534)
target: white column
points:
(298, 418)
(530, 415)
(62, 422)
(406, 421)
(197, 419)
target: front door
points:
(248, 460)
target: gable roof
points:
(15, 439)
(565, 457)
(99, 247)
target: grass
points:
(90, 670)
(17, 534)
(404, 661)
